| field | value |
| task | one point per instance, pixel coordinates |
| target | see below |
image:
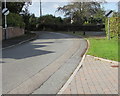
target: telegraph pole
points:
(5, 23)
(40, 9)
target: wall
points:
(12, 32)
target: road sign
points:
(5, 11)
(109, 13)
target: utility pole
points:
(40, 9)
(5, 23)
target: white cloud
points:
(55, 6)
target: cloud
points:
(55, 6)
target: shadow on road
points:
(33, 49)
(26, 51)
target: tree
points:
(15, 20)
(119, 6)
(49, 22)
(50, 19)
(33, 22)
(81, 11)
(14, 7)
(19, 11)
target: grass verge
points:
(101, 47)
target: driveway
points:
(41, 66)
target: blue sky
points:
(51, 7)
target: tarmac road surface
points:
(41, 66)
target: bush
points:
(15, 20)
(70, 27)
(114, 27)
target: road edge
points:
(75, 71)
(106, 60)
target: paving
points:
(32, 67)
(94, 77)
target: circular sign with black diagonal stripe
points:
(109, 13)
(5, 11)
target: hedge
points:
(70, 27)
(114, 27)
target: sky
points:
(51, 7)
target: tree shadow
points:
(2, 62)
(25, 51)
(33, 49)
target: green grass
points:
(101, 47)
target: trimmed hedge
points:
(114, 27)
(69, 27)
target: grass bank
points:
(102, 47)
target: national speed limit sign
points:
(5, 11)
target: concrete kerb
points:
(74, 73)
(21, 42)
(106, 60)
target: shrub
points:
(15, 20)
(70, 27)
(114, 27)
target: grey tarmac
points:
(41, 66)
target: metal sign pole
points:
(5, 24)
(108, 28)
(109, 14)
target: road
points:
(41, 66)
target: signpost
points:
(5, 11)
(109, 14)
